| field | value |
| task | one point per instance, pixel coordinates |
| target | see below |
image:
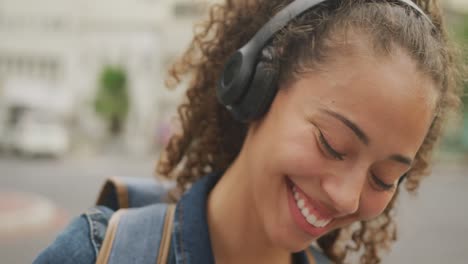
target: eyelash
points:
(340, 156)
(381, 184)
(330, 150)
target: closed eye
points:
(340, 156)
(382, 184)
(335, 154)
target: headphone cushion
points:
(260, 95)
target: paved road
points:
(71, 185)
(433, 225)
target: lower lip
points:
(299, 218)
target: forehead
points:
(386, 96)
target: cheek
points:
(370, 207)
(373, 204)
(300, 154)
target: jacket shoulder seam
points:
(97, 221)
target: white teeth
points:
(300, 203)
(305, 212)
(322, 223)
(319, 223)
(310, 218)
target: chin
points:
(290, 242)
(283, 232)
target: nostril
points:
(350, 207)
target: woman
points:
(348, 99)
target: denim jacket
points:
(80, 242)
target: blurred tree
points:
(112, 101)
(461, 31)
(463, 35)
(455, 140)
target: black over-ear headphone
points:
(246, 87)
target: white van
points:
(39, 133)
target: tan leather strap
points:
(106, 248)
(310, 256)
(165, 244)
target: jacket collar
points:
(191, 239)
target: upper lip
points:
(324, 211)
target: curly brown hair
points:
(210, 139)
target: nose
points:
(344, 190)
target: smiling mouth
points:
(304, 213)
(307, 210)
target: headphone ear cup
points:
(264, 86)
(260, 94)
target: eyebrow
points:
(355, 128)
(362, 136)
(401, 159)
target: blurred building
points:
(461, 5)
(457, 18)
(52, 52)
(456, 11)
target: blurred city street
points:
(433, 226)
(68, 185)
(82, 98)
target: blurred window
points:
(2, 64)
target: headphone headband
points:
(291, 11)
(240, 67)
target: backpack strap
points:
(314, 256)
(104, 252)
(310, 257)
(138, 235)
(165, 244)
(129, 192)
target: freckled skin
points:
(385, 96)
